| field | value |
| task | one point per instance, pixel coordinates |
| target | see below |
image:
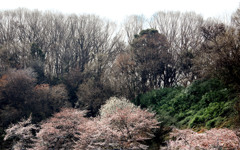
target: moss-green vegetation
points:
(205, 104)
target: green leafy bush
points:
(205, 103)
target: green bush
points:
(214, 122)
(205, 103)
(196, 121)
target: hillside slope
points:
(203, 104)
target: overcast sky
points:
(117, 10)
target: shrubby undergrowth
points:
(205, 104)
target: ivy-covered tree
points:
(37, 63)
(36, 52)
(154, 63)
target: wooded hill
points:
(181, 66)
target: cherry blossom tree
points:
(21, 134)
(59, 132)
(121, 125)
(113, 104)
(126, 127)
(211, 139)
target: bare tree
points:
(66, 41)
(184, 36)
(133, 25)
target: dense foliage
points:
(203, 104)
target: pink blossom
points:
(211, 139)
(59, 131)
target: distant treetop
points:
(148, 31)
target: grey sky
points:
(117, 10)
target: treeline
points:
(50, 60)
(58, 46)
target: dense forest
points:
(171, 81)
